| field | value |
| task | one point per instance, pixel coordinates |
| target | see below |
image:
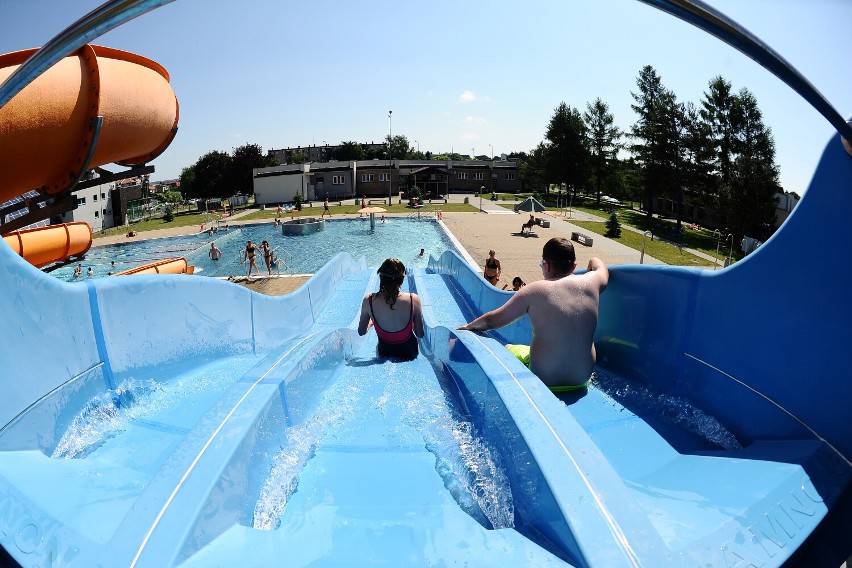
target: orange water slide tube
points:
(47, 129)
(44, 245)
(165, 266)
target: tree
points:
(533, 170)
(211, 174)
(568, 153)
(719, 113)
(603, 142)
(398, 147)
(646, 131)
(613, 227)
(698, 154)
(348, 151)
(239, 177)
(170, 197)
(187, 181)
(753, 179)
(298, 158)
(670, 125)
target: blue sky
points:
(458, 76)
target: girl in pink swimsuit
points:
(388, 309)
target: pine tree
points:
(603, 142)
(568, 153)
(613, 227)
(646, 130)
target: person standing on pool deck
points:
(492, 268)
(325, 209)
(563, 311)
(249, 254)
(214, 253)
(390, 309)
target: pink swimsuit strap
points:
(394, 336)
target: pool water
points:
(400, 238)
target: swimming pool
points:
(401, 238)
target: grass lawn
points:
(180, 220)
(668, 253)
(702, 240)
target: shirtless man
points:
(563, 311)
(214, 253)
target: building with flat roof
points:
(381, 179)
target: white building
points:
(94, 206)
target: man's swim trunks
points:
(522, 352)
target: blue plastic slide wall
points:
(60, 336)
(763, 344)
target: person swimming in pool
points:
(563, 311)
(390, 309)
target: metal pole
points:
(718, 238)
(730, 250)
(570, 200)
(390, 159)
(642, 256)
(481, 189)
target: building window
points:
(80, 201)
(103, 196)
(95, 197)
(510, 177)
(384, 177)
(97, 214)
(337, 180)
(478, 175)
(462, 175)
(367, 177)
(104, 211)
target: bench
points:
(374, 201)
(582, 239)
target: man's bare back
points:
(563, 311)
(563, 314)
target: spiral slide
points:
(47, 130)
(45, 245)
(49, 136)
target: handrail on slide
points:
(116, 12)
(721, 26)
(94, 24)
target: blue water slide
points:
(720, 399)
(170, 420)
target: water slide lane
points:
(680, 467)
(372, 458)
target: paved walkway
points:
(495, 227)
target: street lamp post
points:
(718, 238)
(642, 256)
(390, 159)
(481, 189)
(730, 258)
